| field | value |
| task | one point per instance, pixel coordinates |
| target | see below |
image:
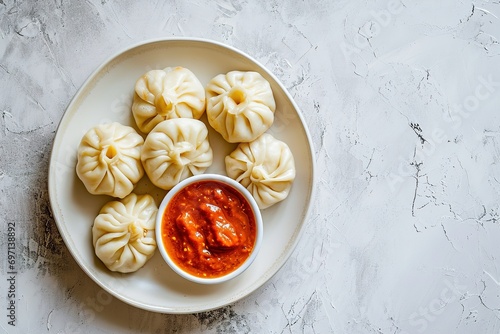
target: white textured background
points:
(402, 101)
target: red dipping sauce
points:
(208, 229)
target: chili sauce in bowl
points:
(209, 228)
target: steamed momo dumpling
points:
(164, 94)
(240, 105)
(123, 234)
(265, 167)
(109, 160)
(176, 149)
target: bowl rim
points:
(258, 222)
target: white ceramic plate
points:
(107, 96)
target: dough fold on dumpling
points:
(173, 92)
(109, 159)
(240, 105)
(176, 149)
(265, 167)
(123, 233)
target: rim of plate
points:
(60, 220)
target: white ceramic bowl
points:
(255, 210)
